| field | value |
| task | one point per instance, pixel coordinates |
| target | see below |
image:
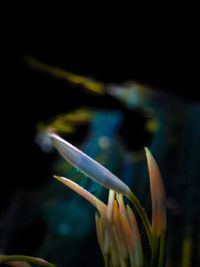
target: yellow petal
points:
(115, 212)
(120, 200)
(100, 232)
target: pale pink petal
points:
(111, 199)
(84, 193)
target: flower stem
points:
(107, 259)
(155, 250)
(142, 215)
(162, 249)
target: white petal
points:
(88, 166)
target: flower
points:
(117, 229)
(116, 226)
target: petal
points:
(110, 245)
(84, 193)
(128, 233)
(159, 220)
(118, 231)
(111, 199)
(115, 212)
(120, 242)
(100, 232)
(138, 253)
(88, 166)
(120, 200)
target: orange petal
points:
(129, 236)
(159, 220)
(138, 253)
(118, 229)
(119, 240)
(114, 252)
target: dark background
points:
(160, 53)
(32, 96)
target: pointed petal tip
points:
(63, 180)
(53, 136)
(56, 138)
(149, 156)
(147, 151)
(59, 178)
(56, 177)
